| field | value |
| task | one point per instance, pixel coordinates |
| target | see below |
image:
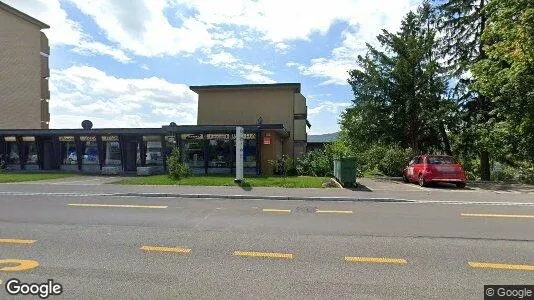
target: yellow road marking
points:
(16, 241)
(335, 211)
(264, 254)
(383, 260)
(21, 265)
(166, 249)
(116, 205)
(277, 210)
(498, 216)
(481, 265)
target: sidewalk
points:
(388, 193)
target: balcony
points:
(45, 91)
(45, 69)
(45, 47)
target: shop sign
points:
(267, 140)
(10, 139)
(246, 136)
(28, 139)
(194, 136)
(66, 139)
(152, 138)
(110, 138)
(219, 136)
(88, 138)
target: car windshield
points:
(441, 160)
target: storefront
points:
(206, 149)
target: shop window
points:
(112, 153)
(89, 150)
(249, 153)
(219, 151)
(13, 153)
(154, 155)
(31, 153)
(68, 151)
(193, 150)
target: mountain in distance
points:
(323, 138)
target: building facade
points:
(259, 103)
(273, 117)
(24, 71)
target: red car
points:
(426, 169)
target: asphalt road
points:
(264, 249)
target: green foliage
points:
(399, 90)
(283, 166)
(3, 162)
(175, 167)
(394, 161)
(315, 163)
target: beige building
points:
(267, 103)
(24, 71)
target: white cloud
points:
(250, 72)
(84, 92)
(328, 106)
(64, 31)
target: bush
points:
(175, 167)
(394, 161)
(283, 166)
(315, 163)
(3, 162)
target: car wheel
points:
(422, 181)
(460, 185)
(405, 179)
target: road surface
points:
(102, 247)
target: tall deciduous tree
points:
(398, 89)
(506, 75)
(462, 23)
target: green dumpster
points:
(345, 170)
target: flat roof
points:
(166, 129)
(23, 16)
(293, 85)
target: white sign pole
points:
(239, 133)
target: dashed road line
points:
(497, 216)
(482, 265)
(334, 211)
(263, 254)
(273, 210)
(17, 241)
(382, 260)
(115, 205)
(165, 249)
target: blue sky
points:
(129, 63)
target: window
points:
(193, 153)
(31, 153)
(89, 150)
(153, 153)
(219, 151)
(68, 150)
(440, 160)
(112, 153)
(249, 153)
(13, 153)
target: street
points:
(124, 247)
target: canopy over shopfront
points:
(207, 149)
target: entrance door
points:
(49, 160)
(130, 162)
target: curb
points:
(213, 196)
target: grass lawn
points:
(14, 176)
(288, 182)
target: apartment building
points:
(24, 71)
(248, 104)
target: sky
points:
(129, 63)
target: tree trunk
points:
(484, 166)
(445, 137)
